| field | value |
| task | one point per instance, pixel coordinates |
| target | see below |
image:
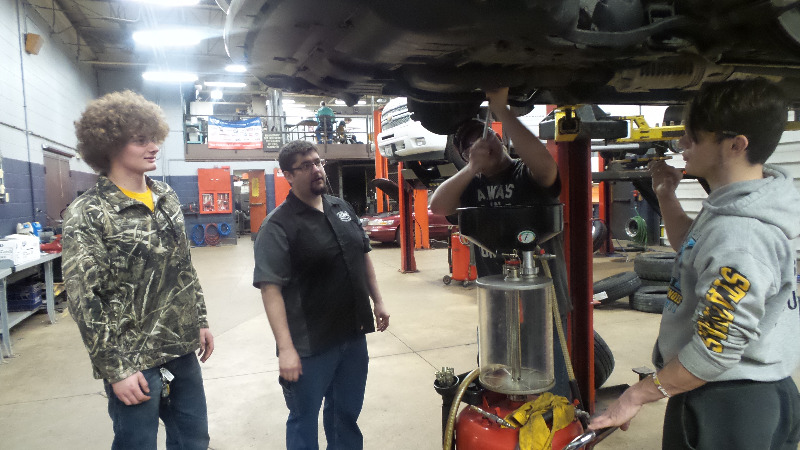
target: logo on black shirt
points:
(344, 216)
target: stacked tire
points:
(609, 290)
(646, 286)
(654, 269)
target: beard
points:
(317, 189)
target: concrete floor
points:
(48, 398)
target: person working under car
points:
(492, 178)
(728, 342)
(316, 277)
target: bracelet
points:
(659, 386)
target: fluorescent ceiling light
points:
(236, 68)
(176, 37)
(216, 94)
(339, 102)
(169, 2)
(230, 84)
(170, 77)
(362, 102)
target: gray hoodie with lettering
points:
(732, 311)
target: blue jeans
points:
(339, 375)
(183, 411)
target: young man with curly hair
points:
(130, 282)
(727, 346)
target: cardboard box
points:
(19, 248)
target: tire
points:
(446, 279)
(599, 234)
(652, 283)
(649, 299)
(654, 265)
(603, 361)
(617, 286)
(451, 154)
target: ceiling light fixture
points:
(170, 77)
(339, 102)
(230, 84)
(178, 37)
(235, 68)
(362, 102)
(216, 94)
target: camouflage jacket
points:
(129, 278)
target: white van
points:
(404, 139)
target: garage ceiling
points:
(100, 32)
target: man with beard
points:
(316, 278)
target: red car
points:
(384, 227)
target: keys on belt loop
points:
(166, 378)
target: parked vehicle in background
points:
(404, 139)
(385, 227)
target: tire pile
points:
(646, 287)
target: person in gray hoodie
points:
(728, 342)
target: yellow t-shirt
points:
(144, 197)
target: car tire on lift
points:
(603, 361)
(654, 265)
(617, 286)
(649, 299)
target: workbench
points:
(17, 272)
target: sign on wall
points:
(234, 134)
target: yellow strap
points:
(534, 433)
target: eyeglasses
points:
(678, 147)
(306, 166)
(142, 141)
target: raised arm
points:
(447, 197)
(676, 221)
(530, 149)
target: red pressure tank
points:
(475, 432)
(461, 267)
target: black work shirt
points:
(515, 187)
(318, 260)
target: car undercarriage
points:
(442, 54)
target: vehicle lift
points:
(569, 133)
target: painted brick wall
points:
(20, 208)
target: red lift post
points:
(571, 134)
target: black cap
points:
(467, 134)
